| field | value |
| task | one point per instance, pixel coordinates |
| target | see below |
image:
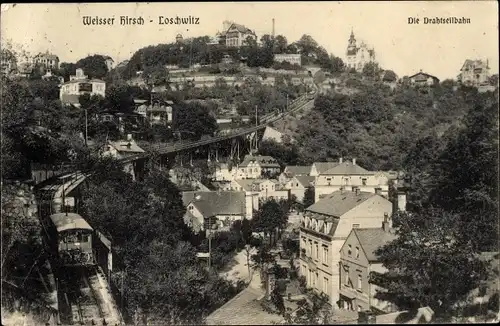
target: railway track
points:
(82, 299)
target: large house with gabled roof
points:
(348, 175)
(358, 259)
(298, 185)
(235, 35)
(219, 209)
(325, 226)
(254, 166)
(475, 73)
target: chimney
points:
(129, 137)
(340, 160)
(273, 27)
(353, 161)
(385, 224)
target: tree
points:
(94, 66)
(389, 76)
(193, 120)
(119, 98)
(371, 69)
(271, 216)
(281, 44)
(427, 265)
(267, 41)
(155, 76)
(284, 154)
(309, 196)
(67, 69)
(465, 184)
(307, 45)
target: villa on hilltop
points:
(474, 73)
(80, 84)
(358, 56)
(234, 35)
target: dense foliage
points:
(199, 50)
(145, 222)
(453, 215)
(377, 125)
(94, 66)
(193, 120)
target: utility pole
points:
(86, 128)
(287, 102)
(209, 243)
(256, 121)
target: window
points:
(349, 250)
(360, 283)
(325, 285)
(357, 252)
(325, 255)
(355, 226)
(363, 181)
(317, 252)
(316, 278)
(346, 276)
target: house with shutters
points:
(357, 261)
(255, 166)
(325, 226)
(348, 175)
(219, 209)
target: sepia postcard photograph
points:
(249, 163)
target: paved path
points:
(240, 271)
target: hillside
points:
(377, 122)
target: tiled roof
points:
(211, 203)
(293, 170)
(475, 64)
(305, 180)
(339, 202)
(371, 239)
(240, 28)
(324, 166)
(347, 168)
(85, 80)
(126, 146)
(243, 309)
(247, 184)
(264, 161)
(48, 56)
(423, 76)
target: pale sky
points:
(436, 49)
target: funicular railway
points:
(83, 293)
